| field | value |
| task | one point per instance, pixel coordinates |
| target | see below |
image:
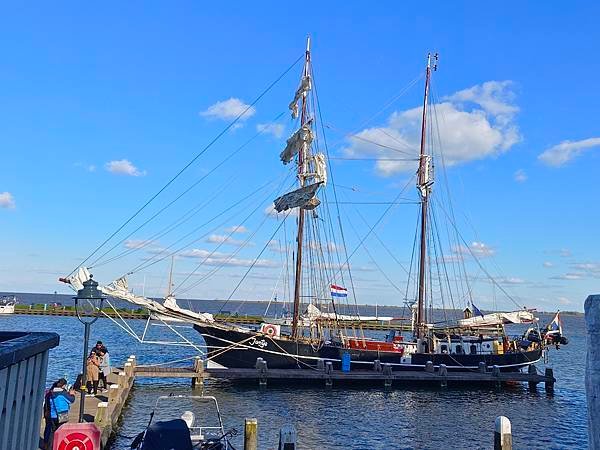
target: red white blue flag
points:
(554, 327)
(338, 291)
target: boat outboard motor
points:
(168, 435)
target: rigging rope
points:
(192, 161)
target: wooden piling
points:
(114, 394)
(444, 374)
(102, 418)
(502, 434)
(549, 383)
(387, 373)
(592, 370)
(251, 434)
(287, 438)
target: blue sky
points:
(99, 107)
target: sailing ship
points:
(462, 347)
(317, 336)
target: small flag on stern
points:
(554, 327)
(338, 291)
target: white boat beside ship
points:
(7, 304)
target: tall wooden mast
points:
(424, 182)
(301, 212)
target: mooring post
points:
(320, 365)
(429, 367)
(251, 434)
(444, 375)
(114, 391)
(532, 370)
(502, 434)
(387, 373)
(549, 383)
(123, 380)
(261, 366)
(132, 360)
(128, 368)
(592, 369)
(482, 367)
(101, 417)
(377, 365)
(287, 438)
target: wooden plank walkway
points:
(105, 409)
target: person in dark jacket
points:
(57, 402)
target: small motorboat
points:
(7, 304)
(199, 426)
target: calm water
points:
(347, 418)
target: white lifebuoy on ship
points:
(270, 329)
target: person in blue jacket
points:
(57, 404)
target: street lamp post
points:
(88, 304)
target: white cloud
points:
(564, 152)
(589, 269)
(479, 249)
(520, 176)
(136, 243)
(568, 276)
(7, 200)
(229, 109)
(474, 123)
(237, 229)
(224, 239)
(565, 253)
(511, 280)
(271, 212)
(223, 259)
(276, 246)
(276, 129)
(548, 264)
(564, 301)
(124, 167)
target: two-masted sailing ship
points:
(316, 336)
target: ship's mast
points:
(301, 212)
(424, 182)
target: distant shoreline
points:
(67, 299)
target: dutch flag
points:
(338, 291)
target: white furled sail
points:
(300, 198)
(499, 318)
(304, 136)
(120, 289)
(313, 313)
(320, 168)
(305, 86)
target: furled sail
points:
(305, 86)
(498, 319)
(313, 313)
(120, 289)
(304, 136)
(300, 198)
(320, 168)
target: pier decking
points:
(381, 374)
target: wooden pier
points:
(380, 374)
(104, 410)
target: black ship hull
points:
(240, 349)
